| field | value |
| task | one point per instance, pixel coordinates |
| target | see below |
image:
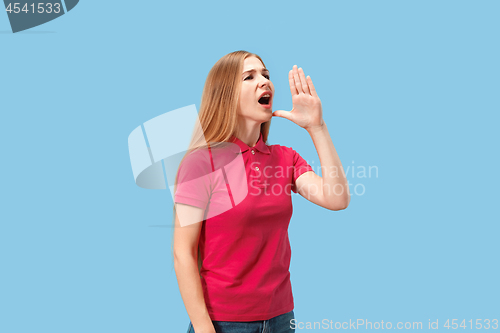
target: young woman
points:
(232, 263)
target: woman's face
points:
(255, 83)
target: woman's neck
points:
(249, 136)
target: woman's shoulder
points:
(288, 154)
(278, 148)
(205, 158)
(195, 163)
(199, 155)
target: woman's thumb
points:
(282, 114)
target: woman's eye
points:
(250, 77)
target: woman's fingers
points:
(298, 84)
(311, 86)
(293, 88)
(303, 82)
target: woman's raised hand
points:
(307, 111)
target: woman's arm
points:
(330, 191)
(186, 266)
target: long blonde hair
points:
(218, 115)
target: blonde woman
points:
(232, 266)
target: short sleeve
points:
(194, 180)
(299, 167)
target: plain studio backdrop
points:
(408, 88)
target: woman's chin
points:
(269, 115)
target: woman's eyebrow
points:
(253, 70)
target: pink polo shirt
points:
(244, 245)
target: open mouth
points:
(265, 100)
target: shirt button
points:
(253, 152)
(257, 168)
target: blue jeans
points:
(278, 324)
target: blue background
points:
(409, 87)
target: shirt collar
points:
(259, 146)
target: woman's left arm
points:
(330, 191)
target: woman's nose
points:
(265, 82)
